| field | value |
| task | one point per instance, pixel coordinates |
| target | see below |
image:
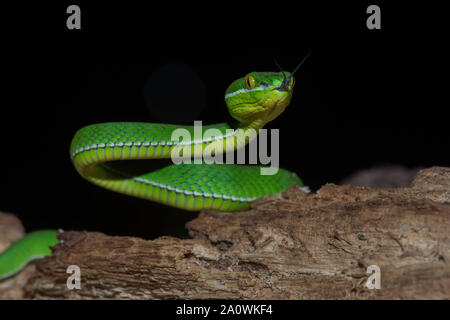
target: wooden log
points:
(292, 245)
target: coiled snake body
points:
(101, 154)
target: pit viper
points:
(106, 154)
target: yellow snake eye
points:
(249, 82)
(292, 82)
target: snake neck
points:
(241, 136)
(233, 138)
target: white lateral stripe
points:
(206, 140)
(195, 193)
(153, 144)
(177, 190)
(232, 94)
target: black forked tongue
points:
(285, 82)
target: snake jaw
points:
(275, 103)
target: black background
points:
(364, 97)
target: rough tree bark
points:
(288, 246)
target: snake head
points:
(259, 97)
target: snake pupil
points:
(249, 82)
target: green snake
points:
(105, 154)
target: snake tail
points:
(34, 246)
